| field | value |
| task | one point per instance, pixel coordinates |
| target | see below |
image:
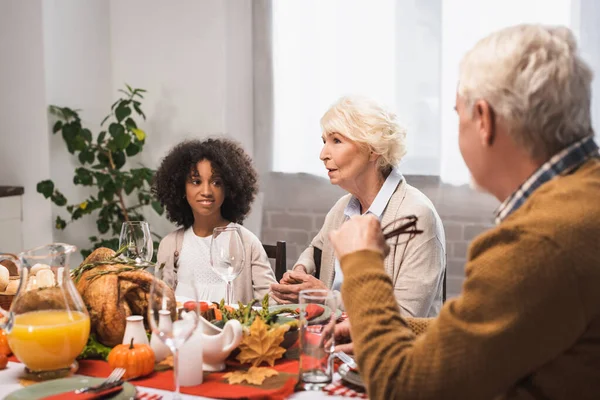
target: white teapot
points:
(219, 343)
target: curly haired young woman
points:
(203, 185)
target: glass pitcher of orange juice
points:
(47, 324)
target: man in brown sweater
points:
(527, 322)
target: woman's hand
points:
(287, 293)
(287, 278)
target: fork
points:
(115, 376)
(346, 359)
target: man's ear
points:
(487, 123)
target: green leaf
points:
(129, 88)
(122, 112)
(122, 141)
(102, 225)
(139, 110)
(101, 137)
(132, 149)
(78, 213)
(83, 177)
(93, 238)
(57, 126)
(79, 143)
(103, 159)
(109, 190)
(119, 159)
(130, 123)
(87, 135)
(60, 223)
(116, 129)
(157, 207)
(98, 166)
(86, 156)
(105, 118)
(102, 179)
(46, 188)
(129, 186)
(58, 198)
(139, 134)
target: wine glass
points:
(184, 323)
(227, 255)
(136, 236)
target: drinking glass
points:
(47, 324)
(162, 301)
(227, 255)
(317, 339)
(136, 236)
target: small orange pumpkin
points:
(4, 348)
(136, 359)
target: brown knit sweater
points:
(526, 325)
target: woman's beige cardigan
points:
(253, 282)
(416, 267)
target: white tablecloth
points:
(9, 382)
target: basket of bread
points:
(9, 280)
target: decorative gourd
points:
(137, 359)
(3, 361)
(4, 348)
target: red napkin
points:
(312, 311)
(84, 396)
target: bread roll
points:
(4, 278)
(12, 287)
(38, 267)
(45, 278)
(31, 283)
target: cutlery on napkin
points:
(71, 395)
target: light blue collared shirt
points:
(377, 207)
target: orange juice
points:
(50, 339)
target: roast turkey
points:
(112, 297)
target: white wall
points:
(195, 60)
(24, 146)
(77, 75)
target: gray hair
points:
(534, 79)
(366, 122)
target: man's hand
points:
(288, 293)
(362, 232)
(343, 340)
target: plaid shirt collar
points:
(561, 163)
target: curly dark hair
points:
(227, 158)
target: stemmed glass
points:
(184, 323)
(136, 236)
(227, 255)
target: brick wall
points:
(296, 204)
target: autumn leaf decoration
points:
(254, 376)
(259, 345)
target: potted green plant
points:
(119, 194)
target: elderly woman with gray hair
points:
(362, 146)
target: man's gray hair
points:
(534, 79)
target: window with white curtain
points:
(403, 53)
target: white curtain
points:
(404, 53)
